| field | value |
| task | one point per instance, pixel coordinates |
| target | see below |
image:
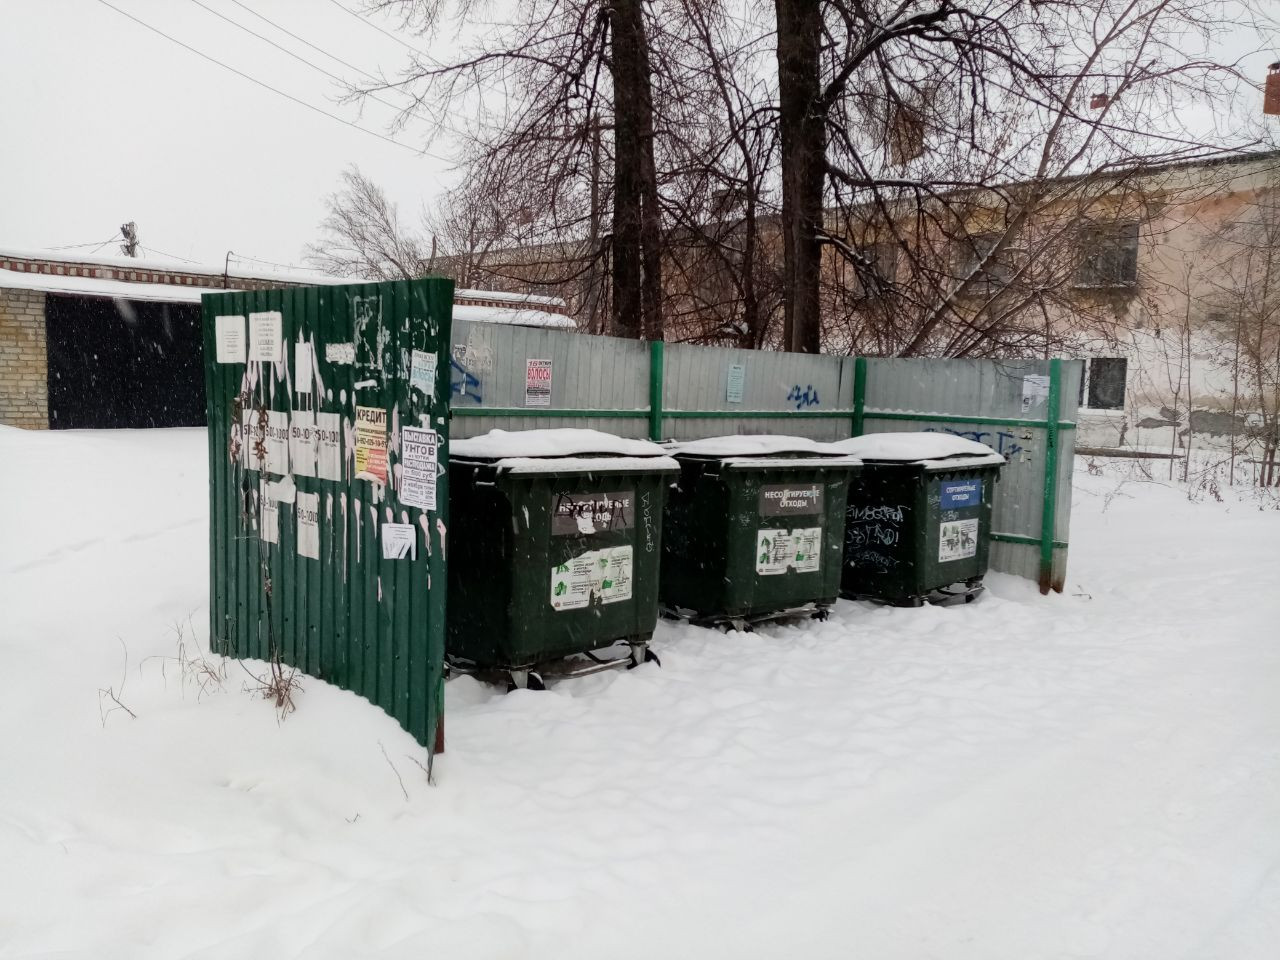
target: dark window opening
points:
(1103, 386)
(1108, 255)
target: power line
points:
(387, 33)
(303, 60)
(77, 246)
(173, 256)
(266, 86)
(287, 32)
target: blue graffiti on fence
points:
(802, 398)
(1006, 444)
(462, 383)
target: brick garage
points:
(107, 341)
(24, 371)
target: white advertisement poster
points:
(419, 459)
(308, 513)
(268, 515)
(302, 443)
(537, 383)
(328, 434)
(781, 551)
(229, 333)
(265, 337)
(957, 540)
(1035, 391)
(603, 574)
(277, 441)
(302, 367)
(399, 541)
(734, 382)
(253, 435)
(343, 354)
(422, 372)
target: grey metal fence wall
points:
(1025, 410)
(516, 378)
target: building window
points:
(1108, 255)
(1102, 386)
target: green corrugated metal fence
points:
(296, 561)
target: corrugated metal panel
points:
(788, 384)
(588, 373)
(371, 625)
(797, 394)
(990, 389)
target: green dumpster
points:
(918, 525)
(554, 552)
(754, 529)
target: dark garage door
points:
(124, 363)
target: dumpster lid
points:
(790, 463)
(935, 451)
(750, 445)
(563, 450)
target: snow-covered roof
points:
(748, 445)
(517, 318)
(529, 298)
(169, 293)
(560, 442)
(920, 447)
(93, 287)
(174, 265)
(535, 304)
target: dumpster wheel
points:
(525, 680)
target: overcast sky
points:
(104, 121)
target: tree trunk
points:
(804, 140)
(637, 232)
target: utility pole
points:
(130, 233)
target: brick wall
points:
(24, 365)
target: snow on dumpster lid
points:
(750, 445)
(586, 465)
(918, 448)
(563, 442)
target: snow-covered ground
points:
(1090, 775)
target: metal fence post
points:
(1050, 510)
(859, 394)
(657, 362)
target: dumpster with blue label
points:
(918, 520)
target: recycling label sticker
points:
(604, 574)
(957, 540)
(783, 551)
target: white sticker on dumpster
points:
(957, 540)
(780, 551)
(604, 574)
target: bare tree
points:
(362, 235)
(934, 122)
(560, 89)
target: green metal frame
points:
(1052, 425)
(857, 417)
